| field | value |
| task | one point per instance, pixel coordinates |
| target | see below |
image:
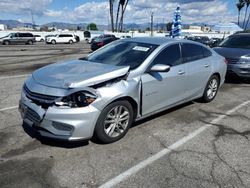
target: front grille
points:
(32, 116)
(39, 98)
(232, 60)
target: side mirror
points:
(11, 37)
(160, 68)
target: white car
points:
(39, 38)
(61, 38)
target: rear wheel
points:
(30, 42)
(114, 122)
(6, 42)
(42, 40)
(211, 89)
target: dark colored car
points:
(214, 42)
(18, 38)
(236, 49)
(100, 42)
(201, 39)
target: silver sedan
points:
(125, 81)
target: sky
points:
(97, 11)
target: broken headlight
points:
(78, 99)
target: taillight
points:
(225, 61)
(100, 44)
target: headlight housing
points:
(78, 99)
(244, 59)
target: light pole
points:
(152, 23)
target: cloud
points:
(138, 11)
(24, 7)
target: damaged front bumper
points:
(62, 123)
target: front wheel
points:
(53, 42)
(6, 42)
(71, 42)
(114, 122)
(211, 89)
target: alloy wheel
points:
(116, 121)
(212, 88)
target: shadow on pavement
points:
(53, 142)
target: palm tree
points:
(240, 5)
(124, 4)
(247, 3)
(117, 15)
(111, 12)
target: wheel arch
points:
(131, 101)
(218, 75)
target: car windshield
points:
(236, 42)
(121, 53)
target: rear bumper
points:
(240, 70)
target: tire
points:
(211, 89)
(53, 42)
(30, 42)
(6, 42)
(70, 41)
(42, 40)
(111, 128)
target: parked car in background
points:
(18, 38)
(125, 37)
(215, 42)
(39, 38)
(236, 49)
(201, 39)
(125, 81)
(61, 38)
(100, 42)
(77, 38)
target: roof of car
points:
(153, 40)
(248, 34)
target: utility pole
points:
(152, 23)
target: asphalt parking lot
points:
(194, 145)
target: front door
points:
(163, 89)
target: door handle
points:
(181, 72)
(206, 65)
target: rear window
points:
(237, 41)
(191, 52)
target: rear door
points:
(198, 68)
(162, 89)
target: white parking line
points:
(9, 108)
(17, 76)
(133, 170)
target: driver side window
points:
(169, 56)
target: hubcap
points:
(116, 121)
(212, 88)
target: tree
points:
(247, 3)
(169, 26)
(240, 5)
(92, 26)
(111, 12)
(121, 8)
(124, 4)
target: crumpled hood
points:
(231, 52)
(78, 73)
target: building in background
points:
(3, 27)
(228, 28)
